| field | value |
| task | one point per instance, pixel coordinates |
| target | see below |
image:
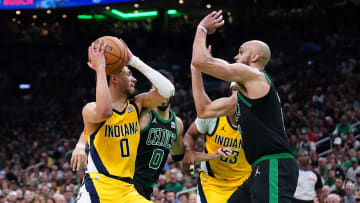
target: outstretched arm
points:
(164, 88)
(190, 157)
(202, 60)
(205, 108)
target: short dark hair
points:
(168, 75)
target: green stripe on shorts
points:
(273, 181)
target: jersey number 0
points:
(124, 148)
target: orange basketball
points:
(116, 55)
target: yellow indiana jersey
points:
(234, 168)
(113, 146)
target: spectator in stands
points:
(349, 150)
(349, 193)
(353, 170)
(192, 198)
(337, 146)
(183, 198)
(307, 144)
(333, 198)
(170, 196)
(338, 188)
(323, 167)
(342, 129)
(326, 191)
(173, 185)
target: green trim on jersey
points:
(162, 120)
(148, 124)
(147, 183)
(273, 156)
(266, 75)
(273, 181)
(244, 100)
(176, 127)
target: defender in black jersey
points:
(258, 114)
(161, 133)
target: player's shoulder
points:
(179, 122)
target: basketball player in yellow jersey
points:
(112, 122)
(219, 179)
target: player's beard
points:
(163, 108)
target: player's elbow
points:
(202, 114)
(199, 62)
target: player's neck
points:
(306, 167)
(119, 100)
(165, 115)
(257, 66)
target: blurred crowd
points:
(315, 67)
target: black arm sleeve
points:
(177, 158)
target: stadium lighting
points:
(133, 15)
(99, 17)
(90, 17)
(85, 17)
(172, 12)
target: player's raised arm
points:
(202, 60)
(205, 108)
(164, 88)
(96, 112)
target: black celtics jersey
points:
(260, 122)
(156, 139)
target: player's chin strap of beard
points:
(163, 108)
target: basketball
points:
(116, 55)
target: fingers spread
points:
(217, 14)
(212, 14)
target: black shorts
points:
(271, 180)
(143, 189)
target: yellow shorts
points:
(212, 190)
(98, 188)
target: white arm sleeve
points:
(162, 84)
(205, 125)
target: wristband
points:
(203, 28)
